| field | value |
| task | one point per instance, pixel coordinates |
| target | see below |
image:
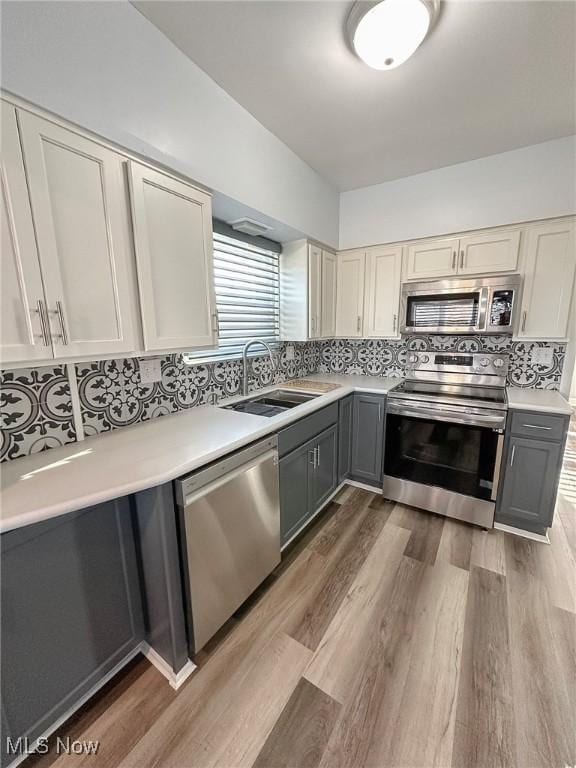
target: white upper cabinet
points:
(307, 292)
(484, 254)
(314, 292)
(350, 294)
(328, 321)
(382, 291)
(173, 238)
(549, 265)
(78, 199)
(434, 258)
(23, 329)
(481, 254)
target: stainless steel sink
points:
(271, 403)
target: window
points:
(247, 283)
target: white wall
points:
(107, 68)
(536, 182)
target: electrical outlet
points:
(542, 356)
(150, 370)
(290, 352)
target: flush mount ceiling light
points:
(386, 33)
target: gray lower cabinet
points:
(368, 438)
(531, 470)
(346, 406)
(71, 613)
(308, 476)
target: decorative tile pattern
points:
(379, 357)
(35, 411)
(36, 407)
(112, 395)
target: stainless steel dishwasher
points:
(231, 524)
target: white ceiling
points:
(492, 76)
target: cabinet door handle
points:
(358, 323)
(60, 313)
(44, 327)
(453, 259)
(313, 323)
(461, 259)
(512, 457)
(312, 460)
(215, 323)
(537, 426)
(395, 323)
(379, 411)
(524, 314)
(317, 449)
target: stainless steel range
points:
(445, 432)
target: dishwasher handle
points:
(204, 481)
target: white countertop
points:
(142, 456)
(544, 400)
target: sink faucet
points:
(245, 361)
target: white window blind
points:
(247, 283)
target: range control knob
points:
(412, 358)
(424, 358)
(498, 363)
(484, 362)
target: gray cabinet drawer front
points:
(540, 426)
(307, 428)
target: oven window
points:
(456, 457)
(443, 311)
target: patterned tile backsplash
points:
(36, 403)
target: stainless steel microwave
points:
(483, 305)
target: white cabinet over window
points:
(307, 292)
(314, 292)
(549, 265)
(173, 239)
(382, 291)
(480, 254)
(77, 194)
(350, 294)
(23, 330)
(328, 308)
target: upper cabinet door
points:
(350, 294)
(23, 328)
(173, 237)
(436, 258)
(329, 267)
(483, 254)
(80, 211)
(314, 292)
(550, 261)
(382, 294)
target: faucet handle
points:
(213, 398)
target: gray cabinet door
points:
(71, 612)
(529, 484)
(368, 438)
(345, 437)
(324, 475)
(294, 495)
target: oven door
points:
(444, 466)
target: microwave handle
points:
(485, 298)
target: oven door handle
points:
(476, 420)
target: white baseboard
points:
(543, 539)
(174, 678)
(364, 486)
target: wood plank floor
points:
(388, 638)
